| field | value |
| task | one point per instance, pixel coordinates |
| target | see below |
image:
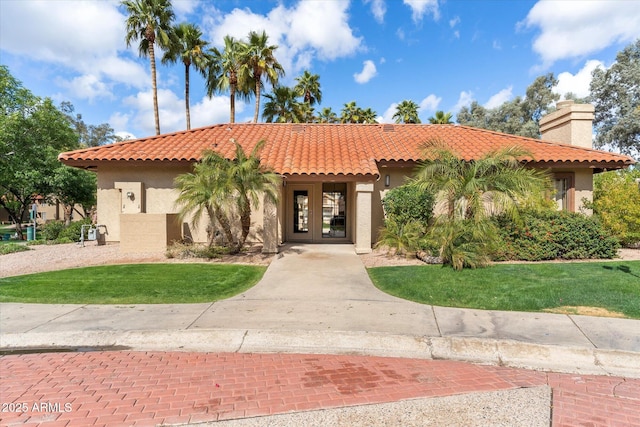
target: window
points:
(565, 190)
(301, 211)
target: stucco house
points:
(334, 176)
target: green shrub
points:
(192, 250)
(10, 248)
(72, 232)
(548, 235)
(402, 238)
(51, 230)
(408, 203)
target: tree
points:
(71, 187)
(258, 62)
(328, 116)
(308, 87)
(616, 202)
(615, 94)
(406, 112)
(187, 45)
(224, 73)
(150, 22)
(32, 133)
(469, 193)
(441, 118)
(88, 135)
(351, 113)
(517, 117)
(282, 106)
(223, 188)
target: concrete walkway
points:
(245, 357)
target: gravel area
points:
(58, 257)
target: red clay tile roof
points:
(335, 149)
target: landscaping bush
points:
(551, 235)
(181, 250)
(10, 248)
(51, 230)
(408, 203)
(57, 232)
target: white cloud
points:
(182, 8)
(387, 116)
(499, 98)
(87, 86)
(570, 30)
(464, 100)
(306, 31)
(419, 8)
(455, 21)
(368, 72)
(430, 103)
(378, 8)
(579, 83)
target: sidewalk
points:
(318, 300)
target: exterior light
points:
(130, 195)
(387, 180)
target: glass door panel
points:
(300, 211)
(334, 208)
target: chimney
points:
(571, 124)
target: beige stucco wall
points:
(148, 232)
(570, 124)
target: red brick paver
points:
(138, 388)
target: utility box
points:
(92, 234)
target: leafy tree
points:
(441, 118)
(615, 94)
(308, 87)
(224, 73)
(282, 106)
(32, 133)
(517, 117)
(89, 135)
(616, 201)
(406, 112)
(71, 187)
(469, 193)
(258, 62)
(188, 46)
(150, 22)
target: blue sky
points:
(440, 54)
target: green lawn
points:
(132, 284)
(614, 286)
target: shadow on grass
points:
(623, 268)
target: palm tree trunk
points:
(256, 114)
(232, 101)
(186, 95)
(154, 87)
(245, 220)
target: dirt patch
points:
(584, 311)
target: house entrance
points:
(317, 212)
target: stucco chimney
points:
(571, 124)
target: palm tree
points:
(441, 118)
(251, 180)
(369, 116)
(188, 46)
(470, 192)
(258, 62)
(224, 73)
(406, 112)
(351, 113)
(308, 87)
(327, 116)
(206, 190)
(150, 22)
(282, 106)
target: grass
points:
(614, 286)
(132, 284)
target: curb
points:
(509, 353)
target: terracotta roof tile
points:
(334, 149)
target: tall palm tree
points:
(351, 113)
(369, 116)
(150, 22)
(308, 87)
(187, 45)
(327, 115)
(258, 62)
(406, 112)
(441, 118)
(224, 73)
(282, 106)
